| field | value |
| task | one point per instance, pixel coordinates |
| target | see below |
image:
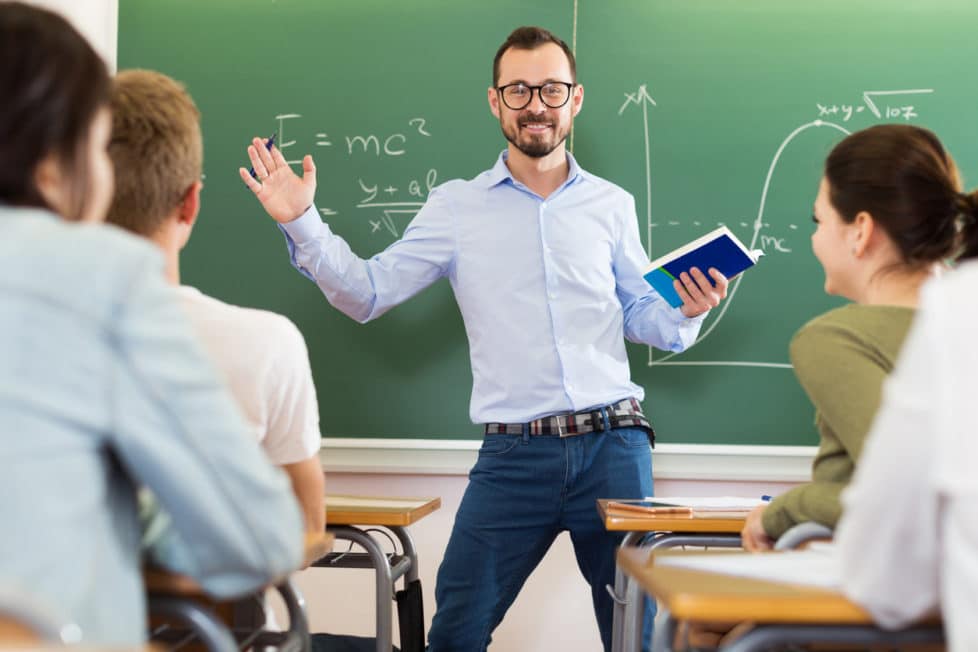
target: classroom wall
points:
(95, 19)
(552, 612)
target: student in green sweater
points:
(887, 216)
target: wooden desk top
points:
(667, 522)
(159, 581)
(376, 510)
(702, 596)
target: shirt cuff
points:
(774, 518)
(677, 317)
(688, 328)
(306, 227)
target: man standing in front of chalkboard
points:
(546, 264)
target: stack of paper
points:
(694, 507)
(709, 502)
(818, 565)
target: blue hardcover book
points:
(719, 248)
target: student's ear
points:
(577, 100)
(864, 226)
(49, 180)
(190, 204)
(494, 101)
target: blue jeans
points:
(522, 492)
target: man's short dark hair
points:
(530, 38)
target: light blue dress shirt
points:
(103, 387)
(548, 288)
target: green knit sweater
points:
(841, 359)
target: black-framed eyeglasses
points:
(518, 96)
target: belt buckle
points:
(561, 430)
(597, 423)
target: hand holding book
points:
(697, 294)
(719, 251)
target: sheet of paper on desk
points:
(818, 565)
(710, 502)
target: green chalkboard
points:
(708, 111)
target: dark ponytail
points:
(903, 177)
(967, 206)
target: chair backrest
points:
(803, 534)
(177, 606)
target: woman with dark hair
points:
(102, 386)
(54, 119)
(889, 212)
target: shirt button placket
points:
(560, 342)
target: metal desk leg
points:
(665, 633)
(635, 598)
(384, 585)
(618, 595)
(409, 551)
(634, 617)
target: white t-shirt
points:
(264, 360)
(909, 529)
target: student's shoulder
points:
(91, 245)
(855, 318)
(949, 307)
(834, 326)
(851, 327)
(264, 328)
(961, 282)
(103, 260)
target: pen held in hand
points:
(268, 146)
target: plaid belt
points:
(623, 414)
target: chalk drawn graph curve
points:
(758, 224)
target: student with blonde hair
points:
(103, 387)
(157, 153)
(889, 212)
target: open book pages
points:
(722, 232)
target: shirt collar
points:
(500, 173)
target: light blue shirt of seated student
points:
(103, 388)
(548, 288)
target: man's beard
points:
(533, 148)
